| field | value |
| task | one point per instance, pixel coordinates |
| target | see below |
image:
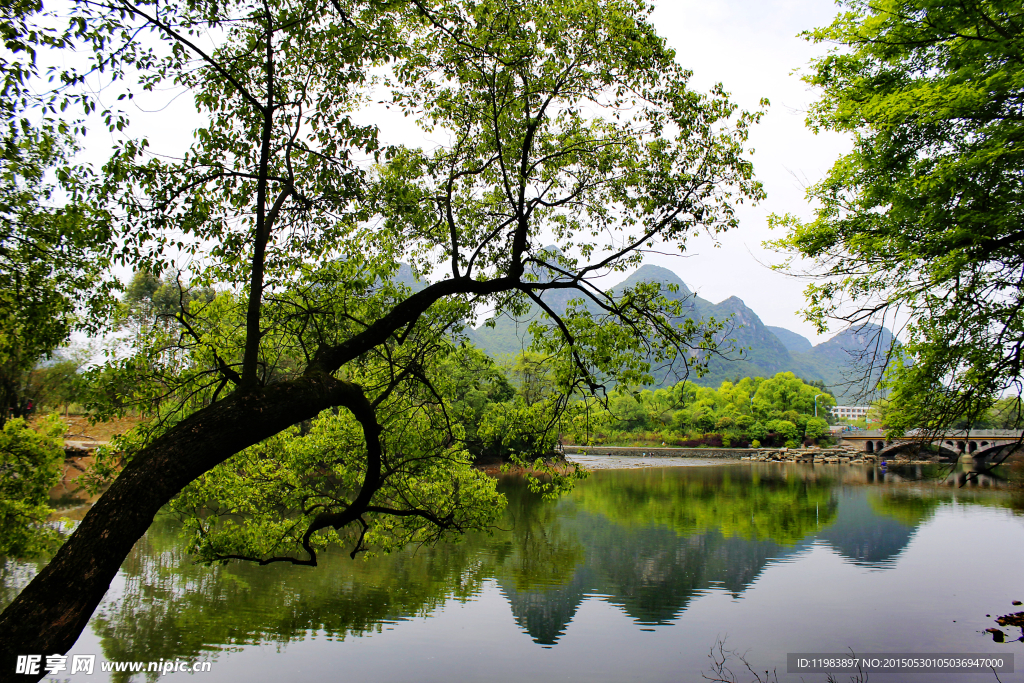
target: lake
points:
(634, 576)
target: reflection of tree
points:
(649, 541)
(774, 505)
(173, 608)
(538, 563)
(15, 575)
(909, 507)
(1016, 503)
(917, 507)
(539, 551)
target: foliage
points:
(62, 381)
(816, 428)
(262, 503)
(533, 376)
(775, 411)
(920, 222)
(785, 392)
(50, 259)
(477, 384)
(1006, 413)
(515, 427)
(149, 298)
(31, 463)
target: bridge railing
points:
(960, 434)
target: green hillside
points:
(794, 343)
(749, 347)
(849, 363)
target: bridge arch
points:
(983, 444)
(989, 450)
(922, 451)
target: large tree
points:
(561, 122)
(920, 224)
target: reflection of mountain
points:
(650, 573)
(652, 540)
(544, 613)
(862, 535)
(648, 541)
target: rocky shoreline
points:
(827, 456)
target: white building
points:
(851, 412)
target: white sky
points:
(751, 46)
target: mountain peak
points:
(861, 336)
(652, 273)
(734, 302)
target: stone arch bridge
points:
(976, 444)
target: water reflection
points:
(170, 607)
(648, 542)
(866, 532)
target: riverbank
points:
(666, 452)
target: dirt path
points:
(80, 433)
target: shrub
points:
(31, 463)
(816, 428)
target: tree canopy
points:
(779, 410)
(920, 224)
(560, 121)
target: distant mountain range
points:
(842, 363)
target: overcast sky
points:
(752, 48)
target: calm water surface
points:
(633, 577)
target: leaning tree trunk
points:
(51, 612)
